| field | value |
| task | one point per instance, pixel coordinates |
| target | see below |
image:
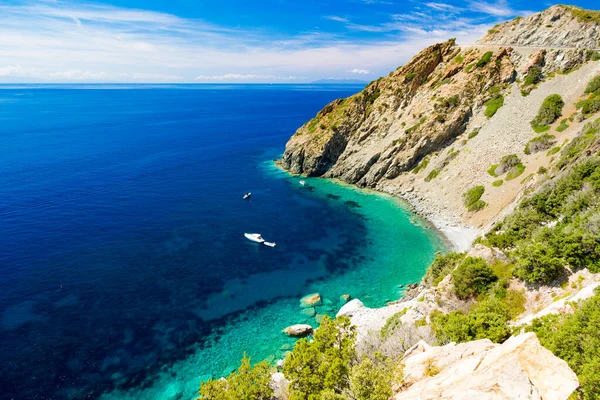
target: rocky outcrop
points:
(298, 330)
(399, 119)
(350, 308)
(559, 27)
(520, 368)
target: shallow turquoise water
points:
(398, 249)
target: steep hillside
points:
(433, 129)
(559, 26)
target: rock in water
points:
(310, 311)
(350, 308)
(311, 300)
(520, 368)
(345, 298)
(298, 330)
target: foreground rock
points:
(520, 368)
(350, 308)
(298, 330)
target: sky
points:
(267, 41)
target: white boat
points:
(247, 195)
(302, 183)
(270, 244)
(254, 237)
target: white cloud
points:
(360, 71)
(64, 42)
(498, 9)
(336, 18)
(442, 7)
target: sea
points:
(124, 270)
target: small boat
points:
(302, 183)
(254, 237)
(270, 244)
(247, 195)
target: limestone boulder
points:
(520, 368)
(350, 308)
(298, 330)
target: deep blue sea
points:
(124, 272)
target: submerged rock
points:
(310, 312)
(298, 330)
(345, 298)
(310, 300)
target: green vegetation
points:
(472, 277)
(584, 15)
(492, 170)
(574, 338)
(497, 183)
(472, 198)
(515, 172)
(458, 59)
(442, 266)
(540, 251)
(593, 85)
(539, 143)
(549, 112)
(563, 125)
(534, 75)
(392, 323)
(553, 151)
(591, 133)
(421, 166)
(489, 319)
(473, 133)
(432, 175)
(493, 105)
(485, 59)
(247, 383)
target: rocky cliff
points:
(430, 130)
(559, 26)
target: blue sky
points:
(233, 40)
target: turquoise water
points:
(398, 247)
(124, 272)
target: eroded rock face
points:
(397, 120)
(558, 26)
(520, 368)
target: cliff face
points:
(397, 120)
(558, 26)
(431, 130)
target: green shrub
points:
(392, 323)
(432, 175)
(515, 172)
(472, 277)
(473, 133)
(485, 59)
(497, 183)
(593, 85)
(574, 338)
(421, 166)
(478, 205)
(473, 195)
(371, 380)
(539, 143)
(492, 170)
(248, 382)
(324, 363)
(590, 106)
(507, 163)
(563, 126)
(553, 151)
(533, 76)
(493, 105)
(489, 320)
(442, 266)
(538, 263)
(549, 112)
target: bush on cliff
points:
(472, 277)
(247, 383)
(549, 112)
(442, 266)
(575, 339)
(472, 198)
(488, 320)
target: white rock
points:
(350, 308)
(520, 368)
(298, 330)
